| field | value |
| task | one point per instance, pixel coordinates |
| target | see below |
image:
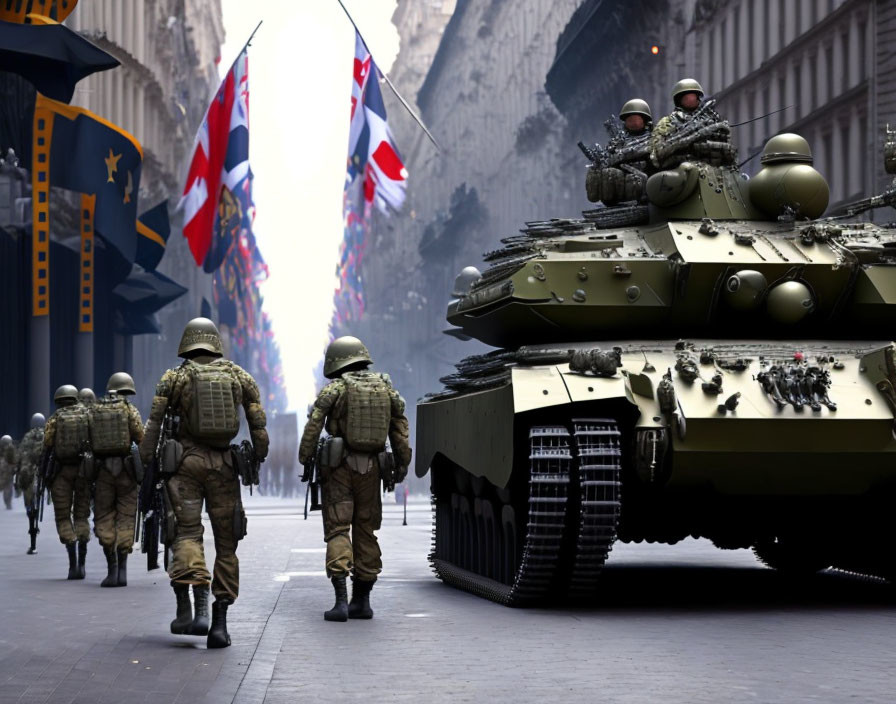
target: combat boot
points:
(33, 548)
(111, 579)
(122, 568)
(82, 559)
(360, 604)
(72, 561)
(181, 625)
(218, 637)
(339, 612)
(199, 627)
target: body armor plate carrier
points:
(109, 430)
(368, 409)
(211, 404)
(72, 430)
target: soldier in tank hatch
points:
(694, 131)
(202, 397)
(114, 425)
(67, 436)
(361, 411)
(27, 459)
(623, 174)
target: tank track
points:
(572, 513)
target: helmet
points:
(86, 396)
(342, 352)
(5, 442)
(121, 383)
(38, 421)
(200, 335)
(787, 147)
(66, 392)
(636, 106)
(686, 85)
(465, 280)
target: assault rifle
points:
(246, 463)
(596, 155)
(35, 509)
(311, 476)
(155, 507)
(704, 123)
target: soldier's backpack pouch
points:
(72, 428)
(109, 430)
(368, 411)
(88, 466)
(332, 453)
(171, 456)
(212, 414)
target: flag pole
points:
(404, 102)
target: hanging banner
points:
(40, 207)
(85, 280)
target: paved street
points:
(687, 623)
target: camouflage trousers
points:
(352, 511)
(206, 474)
(115, 509)
(6, 484)
(71, 504)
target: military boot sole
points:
(338, 615)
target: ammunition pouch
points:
(113, 465)
(88, 466)
(245, 463)
(240, 524)
(170, 457)
(137, 471)
(331, 453)
(169, 518)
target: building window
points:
(813, 77)
(782, 12)
(863, 28)
(724, 77)
(845, 160)
(829, 70)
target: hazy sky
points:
(300, 72)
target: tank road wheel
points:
(527, 575)
(791, 558)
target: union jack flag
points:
(372, 154)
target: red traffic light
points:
(654, 50)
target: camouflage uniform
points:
(204, 473)
(710, 144)
(613, 184)
(7, 473)
(115, 495)
(29, 452)
(70, 491)
(352, 501)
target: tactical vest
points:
(110, 433)
(209, 404)
(368, 410)
(72, 432)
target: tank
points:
(713, 362)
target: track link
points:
(572, 509)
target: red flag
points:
(220, 157)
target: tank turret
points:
(787, 180)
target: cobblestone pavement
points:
(687, 623)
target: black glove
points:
(400, 473)
(308, 474)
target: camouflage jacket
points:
(676, 139)
(170, 392)
(326, 411)
(30, 450)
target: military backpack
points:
(72, 432)
(368, 410)
(110, 433)
(210, 403)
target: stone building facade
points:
(169, 52)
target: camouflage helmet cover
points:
(86, 396)
(66, 392)
(787, 147)
(5, 441)
(636, 106)
(342, 352)
(686, 85)
(38, 421)
(200, 334)
(121, 383)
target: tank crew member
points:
(86, 396)
(694, 131)
(360, 410)
(7, 469)
(114, 425)
(67, 435)
(205, 393)
(624, 174)
(27, 464)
